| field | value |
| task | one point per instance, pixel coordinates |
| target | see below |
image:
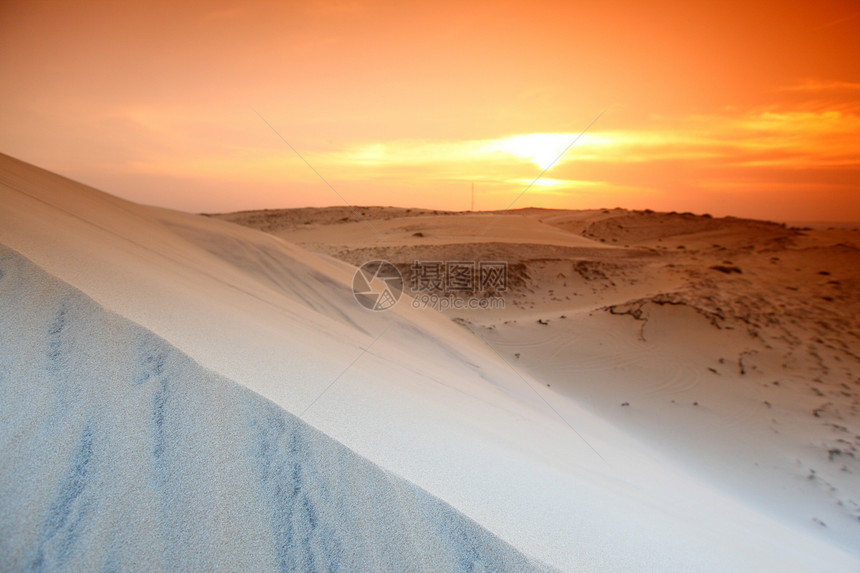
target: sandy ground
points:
(729, 346)
(117, 295)
(132, 332)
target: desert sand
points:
(729, 346)
(182, 392)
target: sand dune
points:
(130, 456)
(730, 346)
(224, 388)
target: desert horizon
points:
(736, 109)
(813, 224)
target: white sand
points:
(119, 452)
(415, 394)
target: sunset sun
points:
(545, 149)
(406, 104)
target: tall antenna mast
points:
(473, 197)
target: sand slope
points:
(415, 395)
(119, 452)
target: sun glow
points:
(560, 187)
(545, 149)
(544, 182)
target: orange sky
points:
(734, 107)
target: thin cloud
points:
(815, 85)
(674, 154)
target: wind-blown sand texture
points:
(183, 393)
(124, 454)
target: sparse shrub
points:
(727, 269)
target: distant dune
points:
(730, 345)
